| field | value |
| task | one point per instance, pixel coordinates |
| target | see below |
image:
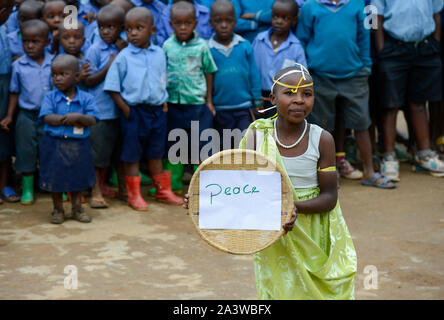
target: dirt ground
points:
(398, 235)
(158, 255)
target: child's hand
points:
(165, 107)
(126, 112)
(211, 107)
(121, 44)
(288, 226)
(112, 56)
(90, 17)
(71, 119)
(85, 71)
(247, 16)
(4, 124)
(186, 197)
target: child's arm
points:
(379, 35)
(54, 119)
(97, 78)
(12, 106)
(120, 103)
(437, 33)
(78, 120)
(209, 96)
(328, 183)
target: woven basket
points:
(240, 241)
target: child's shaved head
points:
(62, 28)
(140, 13)
(35, 27)
(124, 4)
(183, 7)
(222, 6)
(66, 61)
(111, 12)
(291, 3)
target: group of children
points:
(75, 102)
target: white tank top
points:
(303, 169)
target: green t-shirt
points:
(187, 64)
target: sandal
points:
(379, 181)
(57, 217)
(98, 203)
(80, 215)
(9, 195)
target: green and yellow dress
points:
(317, 259)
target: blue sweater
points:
(236, 83)
(336, 43)
(261, 21)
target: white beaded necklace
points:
(294, 144)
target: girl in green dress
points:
(316, 259)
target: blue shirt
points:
(5, 52)
(203, 27)
(270, 62)
(55, 102)
(156, 7)
(249, 29)
(139, 75)
(236, 83)
(336, 42)
(84, 8)
(15, 43)
(31, 81)
(408, 20)
(12, 23)
(98, 57)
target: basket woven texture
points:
(240, 241)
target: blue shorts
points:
(28, 134)
(232, 119)
(180, 117)
(143, 133)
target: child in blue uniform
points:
(53, 14)
(236, 84)
(66, 154)
(156, 7)
(105, 135)
(6, 193)
(28, 10)
(136, 82)
(31, 79)
(277, 47)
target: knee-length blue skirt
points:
(66, 165)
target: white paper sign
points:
(239, 199)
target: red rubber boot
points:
(162, 182)
(106, 191)
(135, 199)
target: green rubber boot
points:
(27, 190)
(145, 179)
(113, 181)
(176, 175)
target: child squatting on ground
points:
(136, 82)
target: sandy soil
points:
(158, 255)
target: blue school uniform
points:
(203, 27)
(31, 81)
(15, 43)
(98, 57)
(140, 77)
(270, 62)
(84, 8)
(261, 21)
(66, 163)
(236, 86)
(5, 74)
(324, 29)
(12, 23)
(419, 15)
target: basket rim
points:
(277, 168)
